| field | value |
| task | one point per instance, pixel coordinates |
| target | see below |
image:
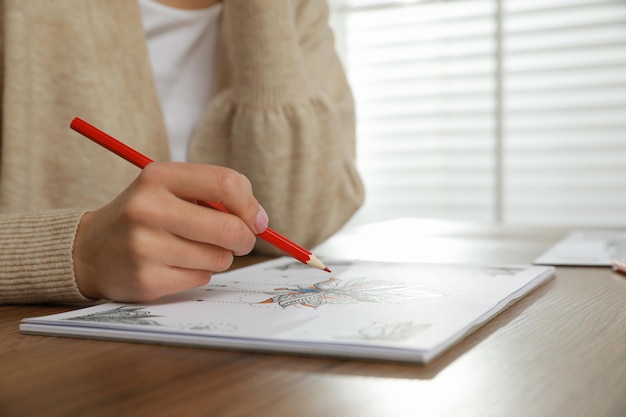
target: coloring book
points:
(405, 312)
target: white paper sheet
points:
(373, 310)
(586, 248)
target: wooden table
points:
(560, 351)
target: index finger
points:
(219, 187)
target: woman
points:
(77, 223)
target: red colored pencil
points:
(140, 160)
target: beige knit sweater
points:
(283, 116)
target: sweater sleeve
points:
(287, 119)
(36, 257)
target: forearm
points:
(301, 169)
(264, 48)
(287, 121)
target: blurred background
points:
(496, 111)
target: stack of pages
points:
(381, 311)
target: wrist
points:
(82, 274)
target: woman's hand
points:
(154, 240)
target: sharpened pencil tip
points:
(316, 263)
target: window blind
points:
(507, 111)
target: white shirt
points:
(182, 46)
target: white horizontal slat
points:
(583, 139)
(571, 99)
(440, 105)
(564, 159)
(417, 70)
(429, 51)
(427, 143)
(580, 37)
(410, 163)
(513, 6)
(418, 13)
(571, 79)
(562, 59)
(557, 18)
(541, 123)
(374, 93)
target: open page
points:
(386, 311)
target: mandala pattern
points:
(336, 291)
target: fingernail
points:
(262, 220)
